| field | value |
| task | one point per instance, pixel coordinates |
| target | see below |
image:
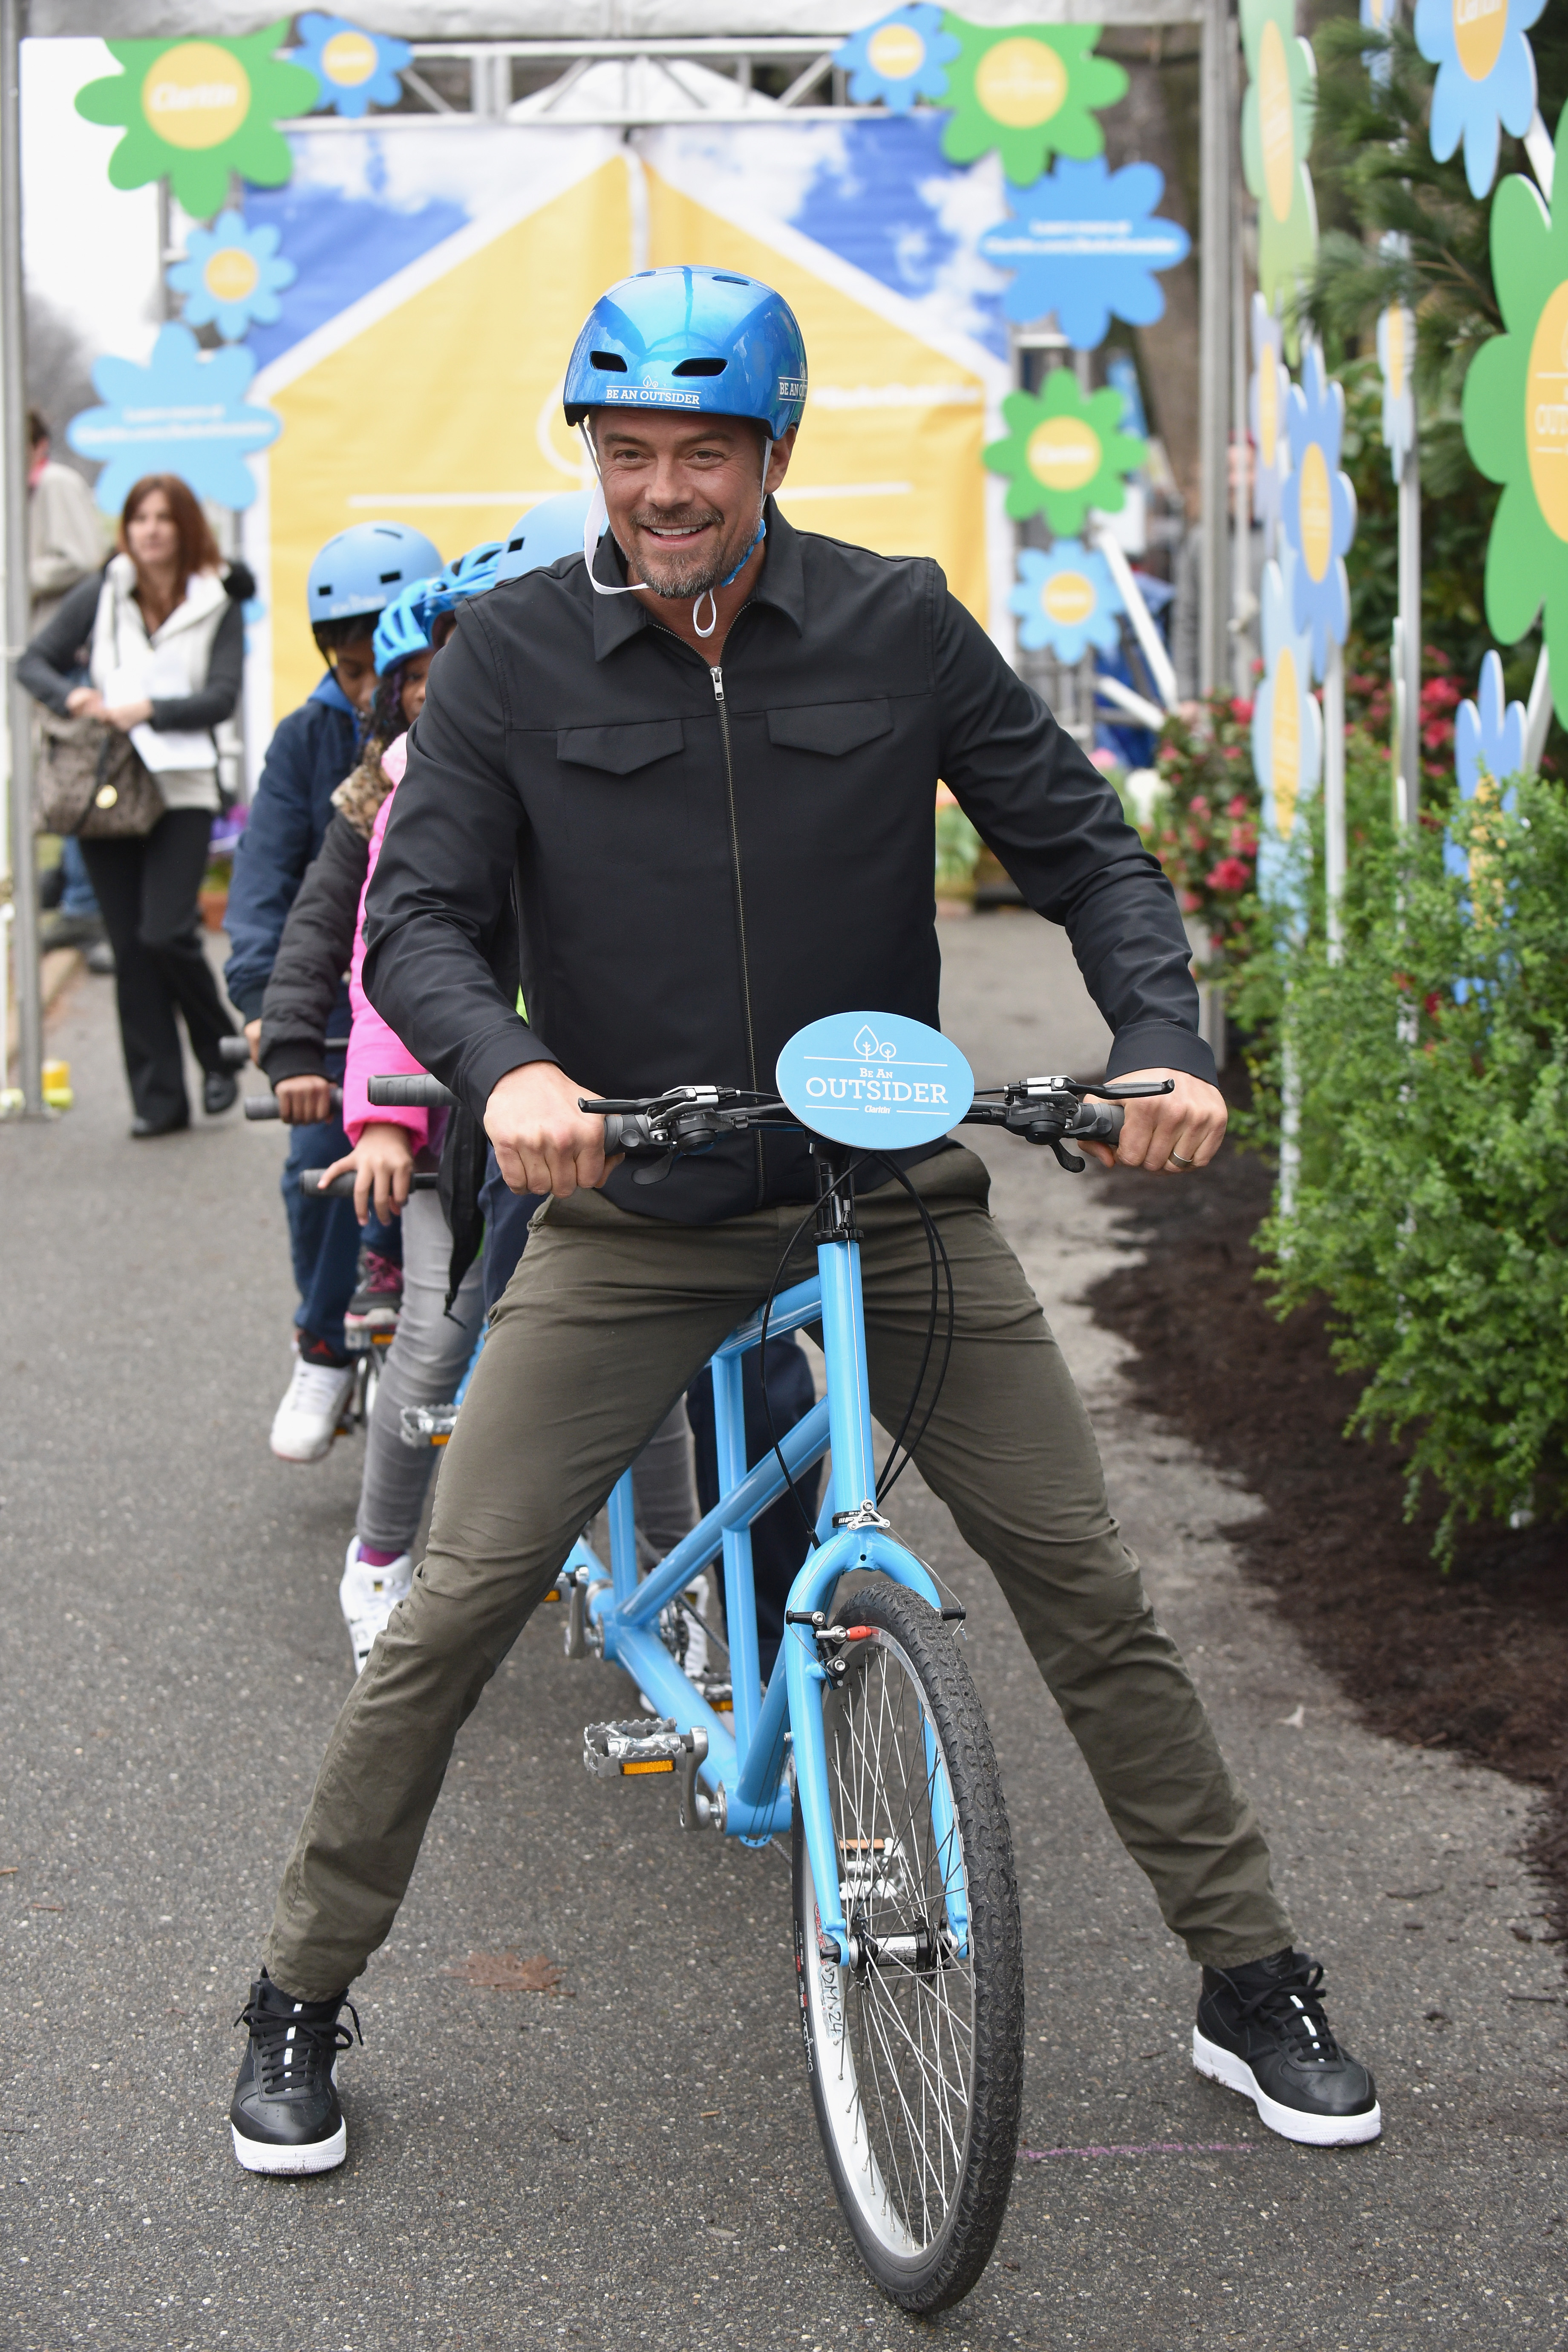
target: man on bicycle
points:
(701, 766)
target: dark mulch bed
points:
(1476, 1660)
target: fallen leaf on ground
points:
(504, 1972)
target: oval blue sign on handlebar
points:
(875, 1080)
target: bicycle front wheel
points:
(916, 2045)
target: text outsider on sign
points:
(875, 1081)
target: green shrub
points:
(1432, 1204)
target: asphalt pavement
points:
(632, 2160)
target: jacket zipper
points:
(716, 674)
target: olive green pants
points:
(605, 1321)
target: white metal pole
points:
(1214, 334)
(24, 923)
(1538, 712)
(1334, 798)
(1407, 700)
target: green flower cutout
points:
(1029, 90)
(1276, 135)
(1516, 419)
(194, 111)
(1065, 452)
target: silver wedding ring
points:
(1177, 1162)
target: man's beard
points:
(700, 571)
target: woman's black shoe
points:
(141, 1128)
(218, 1091)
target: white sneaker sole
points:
(320, 2156)
(1291, 2123)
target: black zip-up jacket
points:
(705, 859)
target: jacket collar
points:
(330, 692)
(205, 594)
(617, 619)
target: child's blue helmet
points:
(705, 339)
(544, 534)
(405, 627)
(362, 569)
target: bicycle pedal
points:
(427, 1425)
(720, 1696)
(643, 1747)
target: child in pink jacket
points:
(431, 1346)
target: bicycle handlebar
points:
(235, 1052)
(266, 1105)
(409, 1092)
(342, 1187)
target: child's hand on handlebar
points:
(543, 1143)
(382, 1161)
(1167, 1134)
(303, 1101)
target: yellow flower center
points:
(1285, 743)
(195, 95)
(1277, 123)
(1021, 83)
(1396, 358)
(348, 59)
(896, 52)
(231, 274)
(1316, 513)
(1546, 412)
(1478, 28)
(1064, 453)
(1068, 598)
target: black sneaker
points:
(1261, 2030)
(285, 2115)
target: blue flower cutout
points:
(1489, 753)
(1318, 509)
(1485, 76)
(898, 58)
(183, 413)
(1066, 601)
(356, 70)
(1287, 748)
(1267, 414)
(231, 277)
(1085, 242)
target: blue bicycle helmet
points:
(546, 532)
(362, 569)
(406, 626)
(705, 339)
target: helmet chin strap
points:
(598, 521)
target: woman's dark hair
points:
(198, 548)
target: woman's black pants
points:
(146, 887)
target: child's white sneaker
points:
(367, 1597)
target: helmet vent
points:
(388, 577)
(608, 362)
(700, 367)
(325, 589)
(723, 278)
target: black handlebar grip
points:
(1098, 1122)
(233, 1052)
(625, 1130)
(410, 1093)
(266, 1105)
(341, 1188)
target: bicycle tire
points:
(923, 2182)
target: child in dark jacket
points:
(354, 576)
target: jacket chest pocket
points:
(830, 728)
(619, 750)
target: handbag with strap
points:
(91, 782)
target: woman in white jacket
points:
(163, 647)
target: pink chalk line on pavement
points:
(1152, 2147)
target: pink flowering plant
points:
(1203, 828)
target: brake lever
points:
(654, 1172)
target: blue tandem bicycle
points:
(868, 1745)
